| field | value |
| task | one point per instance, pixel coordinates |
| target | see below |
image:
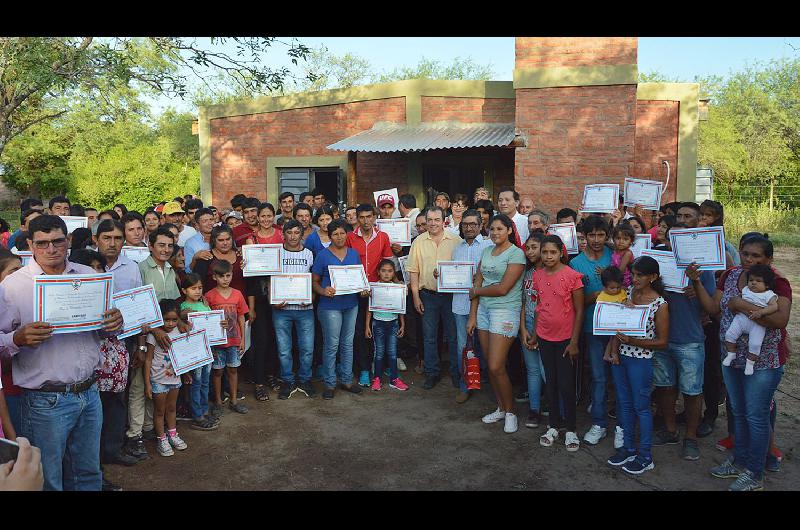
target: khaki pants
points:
(140, 409)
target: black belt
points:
(74, 388)
(437, 293)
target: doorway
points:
(451, 179)
(298, 180)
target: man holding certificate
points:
(56, 371)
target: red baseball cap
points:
(385, 198)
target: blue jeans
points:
(633, 381)
(461, 342)
(750, 397)
(436, 306)
(199, 390)
(338, 330)
(14, 404)
(534, 368)
(384, 333)
(66, 427)
(596, 346)
(303, 320)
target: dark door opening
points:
(328, 181)
(451, 179)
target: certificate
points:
(568, 235)
(189, 351)
(292, 288)
(74, 302)
(348, 279)
(25, 256)
(139, 307)
(645, 193)
(74, 222)
(388, 297)
(137, 254)
(600, 198)
(392, 192)
(455, 276)
(403, 260)
(642, 242)
(398, 230)
(212, 323)
(674, 279)
(704, 246)
(261, 260)
(610, 319)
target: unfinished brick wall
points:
(240, 145)
(467, 110)
(657, 140)
(537, 52)
(381, 171)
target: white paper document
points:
(642, 242)
(403, 260)
(674, 279)
(455, 276)
(398, 230)
(703, 246)
(137, 254)
(73, 222)
(568, 235)
(600, 198)
(646, 193)
(292, 288)
(72, 303)
(388, 297)
(261, 260)
(611, 318)
(139, 307)
(189, 351)
(348, 279)
(213, 323)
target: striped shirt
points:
(297, 262)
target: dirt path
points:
(422, 440)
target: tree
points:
(334, 71)
(40, 75)
(434, 69)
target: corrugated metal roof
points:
(392, 137)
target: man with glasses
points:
(61, 410)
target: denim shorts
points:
(684, 362)
(226, 357)
(498, 321)
(158, 388)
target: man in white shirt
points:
(408, 209)
(508, 202)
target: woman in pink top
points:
(558, 329)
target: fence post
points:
(771, 193)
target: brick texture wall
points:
(467, 110)
(380, 171)
(240, 145)
(657, 140)
(537, 52)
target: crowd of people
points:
(89, 399)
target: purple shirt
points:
(126, 274)
(62, 359)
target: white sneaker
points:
(571, 439)
(401, 365)
(494, 416)
(177, 442)
(619, 437)
(729, 358)
(163, 447)
(594, 435)
(511, 423)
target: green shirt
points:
(194, 307)
(164, 284)
(493, 268)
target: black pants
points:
(115, 416)
(560, 375)
(713, 386)
(264, 348)
(515, 366)
(362, 345)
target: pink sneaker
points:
(376, 383)
(398, 384)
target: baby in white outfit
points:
(758, 291)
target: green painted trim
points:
(687, 94)
(561, 76)
(204, 138)
(277, 162)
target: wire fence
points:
(782, 194)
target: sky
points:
(678, 57)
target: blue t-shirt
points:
(320, 267)
(314, 244)
(591, 280)
(685, 324)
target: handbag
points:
(471, 366)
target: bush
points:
(782, 223)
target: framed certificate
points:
(137, 254)
(25, 256)
(674, 279)
(261, 260)
(74, 222)
(139, 307)
(642, 242)
(403, 260)
(610, 319)
(388, 297)
(189, 351)
(292, 288)
(704, 246)
(212, 322)
(455, 276)
(72, 303)
(348, 279)
(567, 233)
(600, 198)
(646, 193)
(398, 230)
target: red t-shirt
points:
(234, 306)
(370, 253)
(275, 239)
(242, 232)
(555, 312)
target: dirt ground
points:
(423, 440)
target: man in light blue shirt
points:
(198, 246)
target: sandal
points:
(262, 394)
(549, 437)
(572, 441)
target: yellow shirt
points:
(425, 253)
(618, 298)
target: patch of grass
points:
(782, 224)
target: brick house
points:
(573, 115)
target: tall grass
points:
(782, 224)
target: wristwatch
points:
(142, 348)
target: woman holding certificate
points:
(336, 312)
(268, 233)
(496, 299)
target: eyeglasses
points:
(60, 242)
(470, 225)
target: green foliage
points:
(461, 68)
(781, 223)
(333, 71)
